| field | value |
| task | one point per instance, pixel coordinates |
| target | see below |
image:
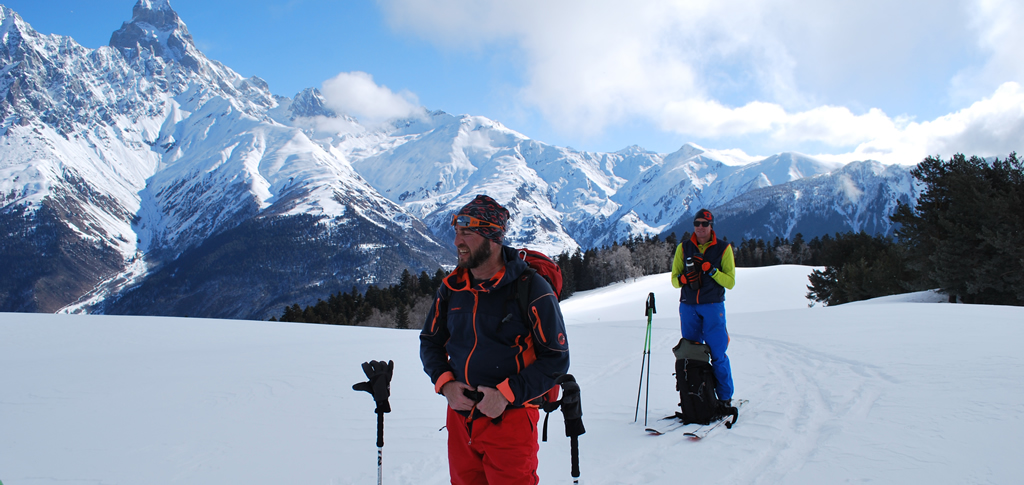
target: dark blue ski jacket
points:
(476, 334)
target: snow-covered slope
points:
(886, 391)
(860, 196)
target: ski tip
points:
(654, 431)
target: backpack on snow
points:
(695, 381)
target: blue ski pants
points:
(705, 323)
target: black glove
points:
(379, 385)
(572, 410)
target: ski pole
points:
(640, 385)
(572, 411)
(649, 309)
(379, 386)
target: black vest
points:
(710, 291)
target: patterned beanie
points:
(706, 215)
(487, 209)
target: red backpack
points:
(544, 266)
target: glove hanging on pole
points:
(572, 411)
(572, 408)
(379, 384)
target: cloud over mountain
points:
(356, 94)
(843, 79)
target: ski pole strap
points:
(548, 407)
(735, 413)
(544, 435)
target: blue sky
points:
(846, 80)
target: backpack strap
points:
(521, 290)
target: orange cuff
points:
(506, 391)
(444, 379)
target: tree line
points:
(396, 306)
(405, 304)
(965, 237)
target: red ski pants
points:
(483, 452)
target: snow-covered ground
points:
(897, 390)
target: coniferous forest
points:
(965, 238)
(406, 304)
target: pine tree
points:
(966, 234)
(402, 317)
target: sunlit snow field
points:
(903, 389)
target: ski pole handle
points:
(649, 308)
(380, 430)
(574, 449)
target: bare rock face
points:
(157, 28)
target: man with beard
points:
(489, 361)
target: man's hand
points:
(493, 403)
(457, 399)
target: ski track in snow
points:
(807, 397)
(804, 397)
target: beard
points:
(476, 256)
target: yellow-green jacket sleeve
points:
(677, 266)
(726, 275)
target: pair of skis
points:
(700, 431)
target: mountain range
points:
(144, 178)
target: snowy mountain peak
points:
(690, 150)
(157, 13)
(154, 5)
(310, 102)
(10, 21)
(156, 27)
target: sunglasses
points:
(470, 221)
(701, 223)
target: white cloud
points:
(357, 95)
(993, 126)
(997, 26)
(849, 74)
